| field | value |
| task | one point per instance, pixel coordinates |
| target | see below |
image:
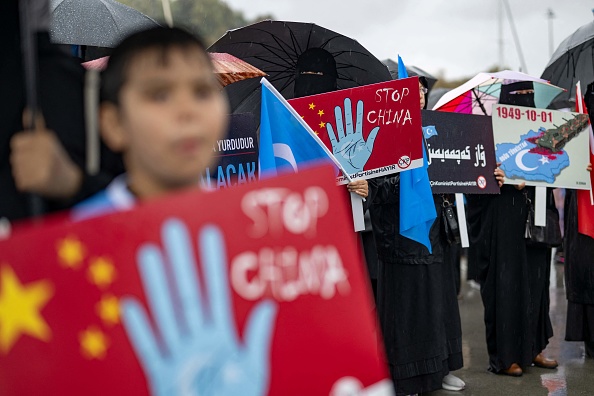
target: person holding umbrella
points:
(48, 161)
(513, 276)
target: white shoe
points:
(474, 284)
(452, 383)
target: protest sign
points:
(261, 291)
(542, 147)
(372, 130)
(236, 155)
(460, 153)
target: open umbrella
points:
(99, 23)
(479, 94)
(411, 70)
(275, 46)
(573, 61)
(228, 68)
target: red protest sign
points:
(258, 291)
(584, 198)
(372, 130)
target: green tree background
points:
(208, 18)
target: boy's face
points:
(170, 116)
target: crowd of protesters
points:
(172, 88)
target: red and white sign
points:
(372, 130)
(248, 291)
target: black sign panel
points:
(236, 155)
(460, 152)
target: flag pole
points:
(28, 36)
(280, 97)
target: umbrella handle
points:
(29, 52)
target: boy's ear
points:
(112, 131)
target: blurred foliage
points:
(208, 18)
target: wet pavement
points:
(574, 376)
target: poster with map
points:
(542, 147)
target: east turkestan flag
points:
(286, 142)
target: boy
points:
(163, 109)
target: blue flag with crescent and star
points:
(285, 143)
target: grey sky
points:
(456, 37)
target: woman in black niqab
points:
(315, 73)
(513, 277)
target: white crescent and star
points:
(543, 160)
(520, 164)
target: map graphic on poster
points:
(372, 130)
(461, 153)
(542, 147)
(260, 292)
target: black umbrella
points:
(573, 61)
(411, 70)
(99, 23)
(275, 47)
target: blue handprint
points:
(196, 350)
(350, 149)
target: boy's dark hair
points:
(162, 39)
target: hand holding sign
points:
(197, 350)
(351, 150)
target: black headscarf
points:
(315, 73)
(509, 98)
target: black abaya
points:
(579, 276)
(498, 250)
(539, 269)
(419, 316)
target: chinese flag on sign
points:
(585, 202)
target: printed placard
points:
(372, 130)
(542, 147)
(460, 153)
(236, 156)
(250, 297)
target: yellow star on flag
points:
(316, 132)
(312, 106)
(101, 272)
(322, 124)
(71, 252)
(321, 113)
(93, 343)
(108, 309)
(20, 309)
